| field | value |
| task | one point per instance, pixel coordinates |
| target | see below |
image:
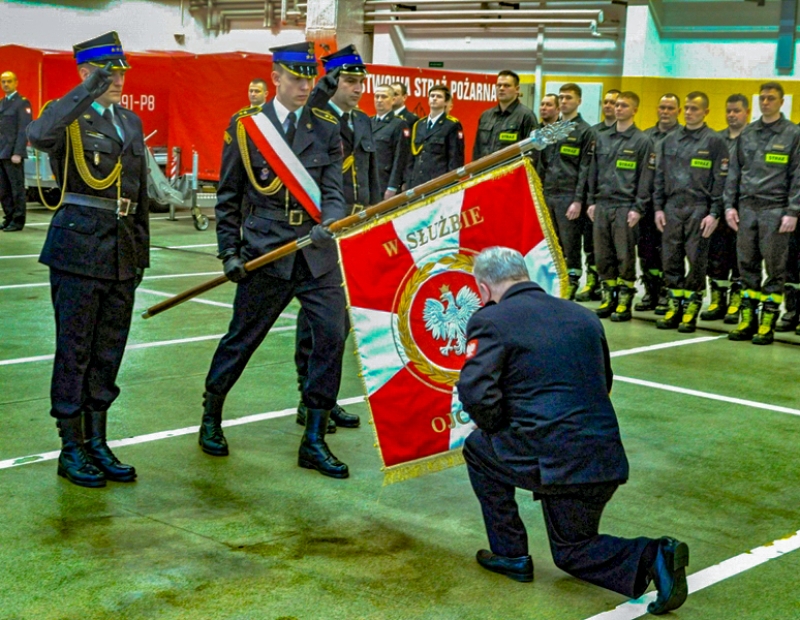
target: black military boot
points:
(590, 290)
(748, 321)
(663, 297)
(734, 304)
(314, 452)
(719, 303)
(212, 440)
(766, 328)
(343, 418)
(650, 297)
(97, 449)
(691, 309)
(574, 281)
(623, 309)
(608, 301)
(73, 462)
(674, 310)
(789, 319)
(300, 418)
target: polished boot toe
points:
(344, 419)
(211, 439)
(75, 465)
(104, 459)
(518, 569)
(314, 452)
(669, 575)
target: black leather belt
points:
(122, 207)
(295, 217)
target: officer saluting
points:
(97, 248)
(308, 142)
(437, 141)
(347, 72)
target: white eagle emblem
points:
(447, 319)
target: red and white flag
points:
(411, 292)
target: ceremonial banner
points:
(411, 292)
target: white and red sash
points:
(279, 155)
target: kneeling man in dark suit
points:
(536, 382)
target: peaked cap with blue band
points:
(348, 59)
(100, 51)
(297, 59)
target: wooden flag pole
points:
(538, 140)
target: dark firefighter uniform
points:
(15, 115)
(649, 245)
(590, 291)
(97, 248)
(361, 189)
(435, 150)
(620, 180)
(391, 134)
(691, 168)
(763, 185)
(407, 115)
(723, 269)
(272, 218)
(498, 128)
(564, 170)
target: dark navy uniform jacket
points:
(409, 117)
(537, 378)
(435, 152)
(392, 136)
(262, 222)
(85, 240)
(15, 115)
(360, 178)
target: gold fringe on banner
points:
(420, 467)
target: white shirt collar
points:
(336, 108)
(433, 119)
(399, 110)
(10, 95)
(281, 111)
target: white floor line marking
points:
(163, 277)
(141, 345)
(10, 256)
(666, 345)
(129, 441)
(708, 395)
(709, 576)
(185, 247)
(38, 224)
(198, 300)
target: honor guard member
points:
(548, 109)
(655, 294)
(723, 269)
(691, 168)
(762, 203)
(506, 123)
(97, 248)
(272, 218)
(591, 289)
(564, 170)
(437, 141)
(360, 182)
(619, 195)
(392, 135)
(399, 104)
(15, 115)
(539, 395)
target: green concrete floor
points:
(253, 536)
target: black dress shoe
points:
(12, 228)
(518, 569)
(669, 574)
(344, 419)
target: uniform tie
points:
(291, 128)
(430, 124)
(347, 133)
(110, 118)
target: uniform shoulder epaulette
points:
(44, 107)
(324, 115)
(248, 111)
(452, 118)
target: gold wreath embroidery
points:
(455, 262)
